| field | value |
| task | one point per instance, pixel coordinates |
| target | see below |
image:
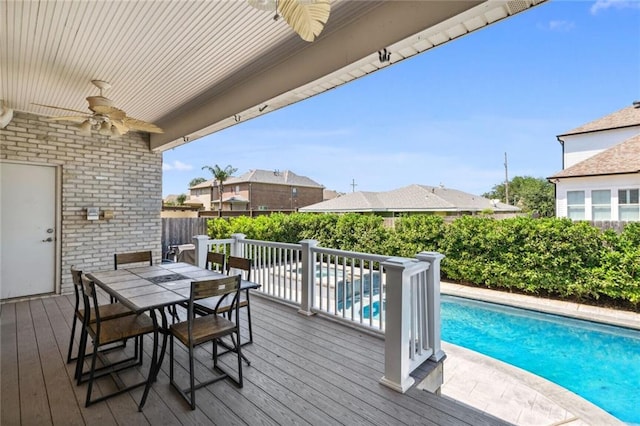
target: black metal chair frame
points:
(137, 331)
(79, 315)
(215, 327)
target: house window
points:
(236, 190)
(601, 204)
(575, 205)
(628, 204)
(294, 192)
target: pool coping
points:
(573, 403)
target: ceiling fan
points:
(305, 17)
(106, 118)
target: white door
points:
(27, 230)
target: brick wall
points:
(117, 174)
(277, 197)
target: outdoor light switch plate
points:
(93, 213)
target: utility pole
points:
(353, 185)
(506, 180)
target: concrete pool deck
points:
(511, 393)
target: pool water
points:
(598, 362)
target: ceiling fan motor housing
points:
(97, 101)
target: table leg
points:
(154, 367)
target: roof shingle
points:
(619, 159)
(416, 198)
(626, 117)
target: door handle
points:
(48, 240)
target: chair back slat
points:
(134, 257)
(90, 296)
(241, 263)
(214, 288)
(214, 259)
(76, 276)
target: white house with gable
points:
(600, 179)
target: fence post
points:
(433, 302)
(308, 277)
(397, 329)
(202, 247)
(237, 249)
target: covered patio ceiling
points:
(196, 67)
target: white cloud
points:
(618, 4)
(176, 165)
(564, 26)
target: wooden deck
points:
(304, 370)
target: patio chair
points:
(107, 312)
(133, 257)
(105, 332)
(216, 261)
(207, 306)
(208, 328)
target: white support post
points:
(308, 277)
(237, 249)
(397, 329)
(433, 302)
(202, 247)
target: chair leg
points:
(192, 378)
(73, 335)
(240, 356)
(249, 318)
(82, 350)
(171, 360)
(91, 378)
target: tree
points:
(180, 199)
(196, 181)
(533, 195)
(221, 175)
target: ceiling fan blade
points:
(143, 126)
(74, 118)
(119, 124)
(307, 18)
(56, 107)
(112, 112)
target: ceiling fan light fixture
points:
(105, 128)
(85, 127)
(115, 132)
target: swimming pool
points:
(598, 362)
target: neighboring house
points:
(600, 179)
(330, 194)
(411, 199)
(260, 190)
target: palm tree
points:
(220, 175)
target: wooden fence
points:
(176, 231)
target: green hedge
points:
(539, 256)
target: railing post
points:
(433, 302)
(397, 329)
(202, 247)
(308, 277)
(237, 249)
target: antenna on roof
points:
(353, 185)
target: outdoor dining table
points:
(152, 289)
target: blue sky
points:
(446, 116)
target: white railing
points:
(395, 297)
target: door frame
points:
(57, 262)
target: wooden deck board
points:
(9, 384)
(304, 370)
